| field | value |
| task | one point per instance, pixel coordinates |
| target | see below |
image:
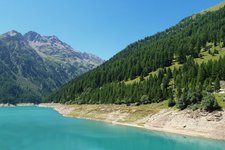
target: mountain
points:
(182, 64)
(32, 65)
(51, 47)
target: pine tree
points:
(181, 103)
(171, 101)
(179, 92)
(141, 77)
(217, 85)
(201, 74)
(169, 73)
(181, 57)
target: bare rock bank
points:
(186, 122)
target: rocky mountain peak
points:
(32, 36)
(38, 41)
(52, 47)
(13, 33)
(53, 37)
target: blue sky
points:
(101, 27)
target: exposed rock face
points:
(32, 65)
(52, 47)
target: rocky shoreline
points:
(186, 122)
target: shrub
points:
(209, 103)
(171, 103)
(194, 97)
(144, 98)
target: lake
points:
(34, 128)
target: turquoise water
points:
(33, 128)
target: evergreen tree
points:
(141, 77)
(181, 103)
(217, 85)
(209, 103)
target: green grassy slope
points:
(214, 8)
(205, 57)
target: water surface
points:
(33, 128)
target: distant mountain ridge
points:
(51, 47)
(33, 65)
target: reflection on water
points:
(33, 128)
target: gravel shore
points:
(186, 122)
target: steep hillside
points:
(33, 65)
(177, 51)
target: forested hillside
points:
(188, 83)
